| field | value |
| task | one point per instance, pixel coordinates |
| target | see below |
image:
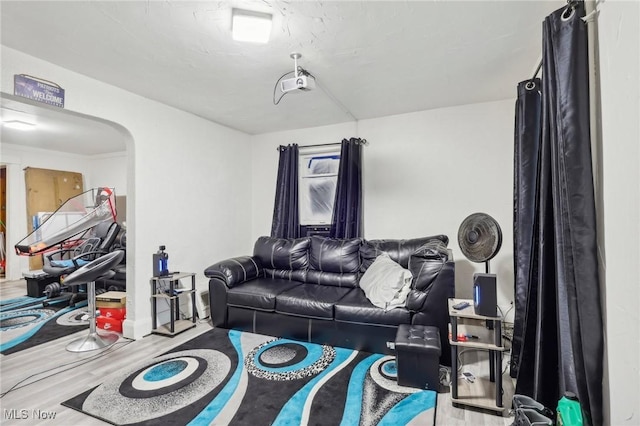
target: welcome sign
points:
(37, 90)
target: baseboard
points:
(136, 329)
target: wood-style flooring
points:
(47, 374)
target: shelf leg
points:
(492, 366)
(497, 334)
(172, 307)
(454, 359)
(154, 307)
(498, 362)
(193, 299)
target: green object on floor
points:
(569, 410)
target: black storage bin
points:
(417, 356)
(37, 281)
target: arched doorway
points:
(61, 140)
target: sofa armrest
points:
(235, 270)
(437, 292)
(429, 305)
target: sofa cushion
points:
(259, 293)
(286, 274)
(398, 250)
(310, 300)
(426, 263)
(332, 278)
(386, 284)
(356, 308)
(282, 253)
(335, 255)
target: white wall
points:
(108, 170)
(424, 172)
(619, 44)
(187, 179)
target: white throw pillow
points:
(385, 283)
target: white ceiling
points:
(376, 58)
(57, 129)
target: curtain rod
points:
(364, 142)
(589, 17)
(535, 74)
(570, 4)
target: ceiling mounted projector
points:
(301, 79)
(302, 82)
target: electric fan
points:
(480, 239)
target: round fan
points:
(479, 237)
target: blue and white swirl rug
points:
(26, 322)
(228, 377)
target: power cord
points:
(72, 364)
(507, 331)
(507, 334)
(460, 365)
(181, 313)
(506, 364)
(445, 375)
(504, 314)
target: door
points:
(46, 191)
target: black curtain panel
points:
(525, 189)
(347, 209)
(286, 222)
(566, 351)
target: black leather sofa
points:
(307, 289)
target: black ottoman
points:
(417, 356)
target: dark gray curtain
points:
(347, 209)
(286, 222)
(528, 127)
(567, 346)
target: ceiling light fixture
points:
(254, 27)
(19, 125)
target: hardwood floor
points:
(45, 375)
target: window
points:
(318, 175)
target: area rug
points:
(228, 377)
(26, 322)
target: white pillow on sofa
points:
(385, 283)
